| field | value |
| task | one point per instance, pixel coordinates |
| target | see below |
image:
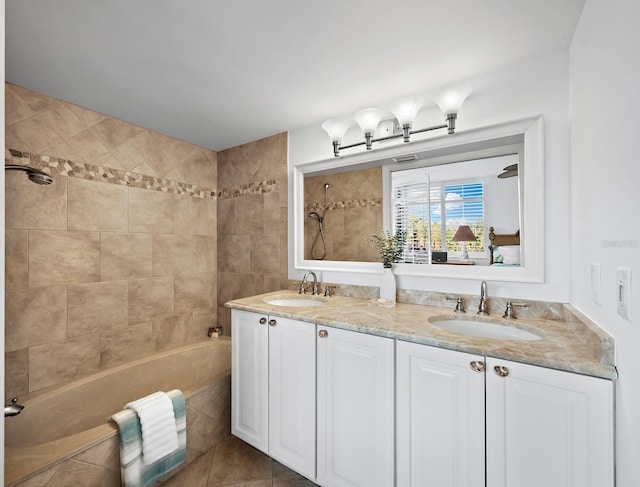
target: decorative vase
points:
(388, 285)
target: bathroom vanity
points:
(349, 393)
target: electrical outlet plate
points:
(623, 292)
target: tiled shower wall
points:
(252, 221)
(352, 214)
(114, 260)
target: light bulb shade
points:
(451, 100)
(368, 119)
(464, 234)
(336, 128)
(405, 109)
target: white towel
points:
(158, 424)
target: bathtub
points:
(62, 422)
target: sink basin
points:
(482, 329)
(295, 302)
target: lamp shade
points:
(464, 234)
(336, 128)
(451, 100)
(368, 119)
(405, 109)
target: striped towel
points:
(135, 471)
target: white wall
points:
(605, 201)
(539, 86)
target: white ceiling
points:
(219, 73)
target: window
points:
(432, 212)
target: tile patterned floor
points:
(233, 463)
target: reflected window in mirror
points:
(445, 208)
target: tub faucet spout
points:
(13, 409)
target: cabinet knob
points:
(477, 365)
(501, 370)
(263, 320)
(273, 322)
(323, 333)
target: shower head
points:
(326, 185)
(35, 175)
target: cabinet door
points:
(440, 417)
(355, 409)
(547, 427)
(292, 394)
(250, 378)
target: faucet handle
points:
(459, 305)
(508, 313)
(327, 291)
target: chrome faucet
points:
(482, 307)
(13, 409)
(314, 289)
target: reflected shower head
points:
(326, 185)
(313, 214)
(35, 175)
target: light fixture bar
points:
(405, 111)
(337, 147)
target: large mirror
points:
(471, 205)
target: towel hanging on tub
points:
(153, 437)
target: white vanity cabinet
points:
(543, 427)
(547, 427)
(355, 409)
(273, 394)
(440, 417)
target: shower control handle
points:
(263, 320)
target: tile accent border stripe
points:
(341, 205)
(63, 167)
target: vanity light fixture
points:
(404, 110)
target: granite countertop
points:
(573, 345)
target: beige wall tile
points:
(249, 213)
(16, 109)
(36, 132)
(37, 101)
(200, 168)
(191, 292)
(151, 211)
(59, 257)
(265, 254)
(98, 206)
(63, 121)
(35, 206)
(35, 316)
(128, 155)
(192, 216)
(87, 116)
(130, 343)
(234, 253)
(80, 474)
(172, 254)
(226, 216)
(88, 145)
(204, 253)
(16, 375)
(113, 132)
(17, 259)
(150, 298)
(105, 454)
(64, 151)
(172, 331)
(125, 255)
(202, 321)
(97, 307)
(12, 141)
(57, 362)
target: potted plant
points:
(390, 248)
